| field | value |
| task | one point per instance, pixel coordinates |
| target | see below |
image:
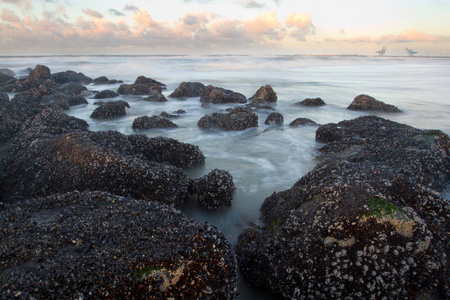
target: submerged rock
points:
(312, 102)
(239, 118)
(215, 190)
(264, 94)
(274, 119)
(99, 245)
(188, 90)
(301, 122)
(155, 96)
(146, 122)
(105, 80)
(367, 222)
(217, 95)
(365, 102)
(141, 86)
(110, 109)
(106, 94)
(71, 77)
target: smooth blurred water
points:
(266, 159)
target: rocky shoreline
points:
(94, 214)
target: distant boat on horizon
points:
(411, 52)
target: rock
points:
(39, 77)
(328, 133)
(71, 77)
(105, 80)
(73, 89)
(167, 150)
(180, 111)
(215, 190)
(99, 245)
(76, 100)
(265, 94)
(239, 118)
(188, 90)
(106, 94)
(5, 81)
(303, 121)
(141, 86)
(168, 116)
(146, 122)
(155, 96)
(217, 95)
(274, 119)
(365, 102)
(110, 109)
(312, 102)
(367, 222)
(8, 72)
(10, 119)
(28, 103)
(39, 74)
(57, 101)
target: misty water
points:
(265, 159)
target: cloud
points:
(92, 13)
(131, 8)
(9, 16)
(251, 4)
(404, 37)
(300, 25)
(115, 13)
(26, 4)
(199, 1)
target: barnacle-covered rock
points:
(141, 86)
(98, 245)
(264, 94)
(155, 96)
(217, 95)
(365, 102)
(72, 77)
(110, 109)
(215, 190)
(10, 119)
(106, 94)
(274, 119)
(146, 122)
(105, 80)
(188, 90)
(239, 118)
(367, 222)
(302, 121)
(312, 102)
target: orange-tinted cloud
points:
(26, 4)
(92, 13)
(9, 16)
(300, 25)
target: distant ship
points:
(411, 52)
(382, 51)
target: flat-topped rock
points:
(106, 94)
(141, 86)
(365, 102)
(239, 118)
(146, 122)
(217, 95)
(110, 109)
(312, 102)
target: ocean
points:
(265, 159)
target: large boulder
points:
(312, 102)
(365, 102)
(110, 109)
(71, 77)
(38, 76)
(99, 245)
(264, 94)
(274, 119)
(146, 122)
(141, 86)
(217, 95)
(239, 118)
(367, 222)
(215, 190)
(188, 90)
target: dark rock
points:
(141, 86)
(106, 94)
(274, 119)
(146, 122)
(39, 77)
(168, 116)
(155, 96)
(217, 95)
(328, 133)
(265, 94)
(215, 190)
(303, 121)
(312, 102)
(76, 100)
(365, 102)
(7, 72)
(57, 101)
(73, 89)
(167, 150)
(71, 77)
(239, 118)
(10, 119)
(99, 245)
(39, 74)
(28, 103)
(110, 109)
(105, 80)
(367, 222)
(180, 111)
(6, 81)
(188, 90)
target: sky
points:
(260, 27)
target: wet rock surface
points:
(239, 118)
(188, 90)
(274, 119)
(217, 95)
(365, 102)
(367, 222)
(71, 77)
(312, 102)
(301, 122)
(105, 80)
(100, 246)
(155, 96)
(141, 86)
(106, 94)
(10, 119)
(215, 190)
(264, 94)
(146, 122)
(110, 109)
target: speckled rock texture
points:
(105, 80)
(71, 76)
(95, 245)
(301, 122)
(239, 118)
(110, 109)
(367, 223)
(146, 122)
(188, 90)
(365, 102)
(215, 190)
(56, 153)
(312, 102)
(274, 119)
(141, 86)
(106, 94)
(217, 95)
(155, 96)
(10, 119)
(264, 94)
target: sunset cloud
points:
(9, 16)
(26, 4)
(92, 13)
(300, 25)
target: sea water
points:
(268, 158)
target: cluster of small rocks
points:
(367, 223)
